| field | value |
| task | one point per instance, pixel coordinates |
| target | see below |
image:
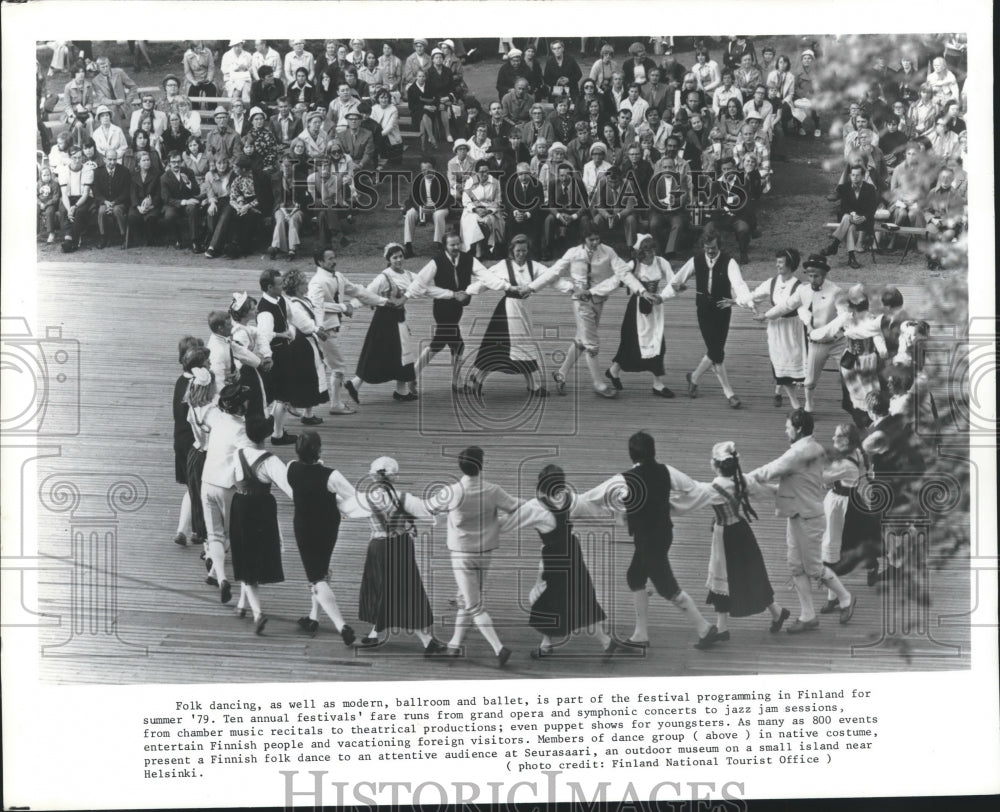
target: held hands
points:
(322, 334)
(725, 304)
(266, 364)
(652, 298)
(348, 309)
(462, 297)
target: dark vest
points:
(448, 311)
(718, 286)
(444, 274)
(280, 322)
(647, 503)
(316, 511)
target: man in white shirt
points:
(818, 304)
(330, 293)
(799, 476)
(275, 334)
(474, 508)
(227, 433)
(718, 285)
(588, 264)
(75, 182)
(264, 54)
(445, 279)
(635, 103)
(226, 357)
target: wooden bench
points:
(871, 250)
(913, 235)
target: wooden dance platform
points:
(122, 603)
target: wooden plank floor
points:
(168, 626)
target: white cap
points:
(459, 142)
(724, 451)
(640, 239)
(514, 52)
(233, 42)
(384, 465)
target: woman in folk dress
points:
(310, 366)
(508, 345)
(392, 591)
(851, 534)
(243, 310)
(388, 353)
(860, 363)
(254, 537)
(738, 583)
(642, 345)
(563, 599)
(786, 337)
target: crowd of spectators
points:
(267, 136)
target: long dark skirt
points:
(861, 540)
(195, 465)
(381, 354)
(628, 357)
(392, 591)
(254, 539)
(569, 601)
(494, 353)
(749, 587)
(250, 378)
(299, 378)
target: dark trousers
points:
(713, 322)
(146, 222)
(173, 221)
(81, 219)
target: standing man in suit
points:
(474, 508)
(523, 203)
(428, 199)
(181, 198)
(112, 192)
(858, 202)
(799, 476)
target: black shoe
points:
(735, 402)
(776, 625)
(308, 625)
(852, 261)
(536, 653)
(347, 635)
(831, 249)
(615, 382)
(352, 391)
(873, 576)
(408, 251)
(211, 581)
(777, 401)
(181, 540)
(663, 393)
(103, 242)
(207, 560)
(226, 592)
(311, 421)
(406, 398)
(368, 642)
(692, 386)
(210, 253)
(178, 246)
(434, 648)
(259, 624)
(284, 439)
(723, 637)
(291, 256)
(831, 606)
(272, 252)
(502, 656)
(710, 638)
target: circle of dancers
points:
(278, 357)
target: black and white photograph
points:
(553, 407)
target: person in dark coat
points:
(857, 202)
(561, 74)
(181, 200)
(113, 194)
(145, 209)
